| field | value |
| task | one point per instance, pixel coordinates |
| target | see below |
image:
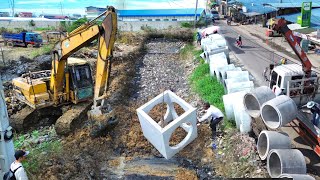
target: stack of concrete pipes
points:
(212, 45)
(275, 147)
(235, 81)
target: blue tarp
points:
(160, 12)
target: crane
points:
(300, 84)
(70, 79)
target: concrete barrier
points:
(216, 61)
(222, 69)
(240, 86)
(269, 140)
(285, 161)
(297, 176)
(278, 111)
(159, 136)
(254, 100)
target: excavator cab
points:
(81, 82)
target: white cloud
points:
(49, 11)
(38, 2)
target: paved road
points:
(256, 56)
(253, 55)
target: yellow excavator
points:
(70, 80)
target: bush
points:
(76, 24)
(186, 25)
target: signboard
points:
(306, 14)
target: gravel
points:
(161, 69)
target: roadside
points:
(257, 32)
(256, 55)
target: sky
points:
(78, 6)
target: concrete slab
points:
(159, 136)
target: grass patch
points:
(209, 89)
(45, 49)
(45, 28)
(42, 146)
(186, 25)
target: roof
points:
(291, 5)
(160, 12)
(315, 18)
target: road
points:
(256, 56)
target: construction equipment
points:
(298, 82)
(70, 80)
(26, 39)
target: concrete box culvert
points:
(269, 140)
(297, 176)
(285, 161)
(255, 99)
(278, 111)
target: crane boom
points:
(280, 25)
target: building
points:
(92, 11)
(159, 14)
(4, 14)
(53, 16)
(25, 14)
(149, 14)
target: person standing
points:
(198, 38)
(17, 167)
(315, 110)
(214, 115)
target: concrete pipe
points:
(297, 176)
(278, 111)
(223, 69)
(285, 161)
(269, 140)
(254, 100)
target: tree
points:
(32, 23)
(77, 24)
(16, 15)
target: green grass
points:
(186, 25)
(209, 89)
(39, 152)
(45, 49)
(45, 28)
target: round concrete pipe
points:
(269, 140)
(285, 161)
(297, 176)
(254, 100)
(278, 111)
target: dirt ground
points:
(124, 153)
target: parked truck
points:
(26, 39)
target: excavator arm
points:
(80, 37)
(280, 25)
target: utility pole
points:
(195, 15)
(6, 141)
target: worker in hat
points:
(17, 168)
(214, 115)
(315, 109)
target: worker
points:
(215, 116)
(283, 61)
(17, 167)
(198, 38)
(315, 110)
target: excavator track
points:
(29, 118)
(72, 118)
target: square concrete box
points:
(159, 137)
